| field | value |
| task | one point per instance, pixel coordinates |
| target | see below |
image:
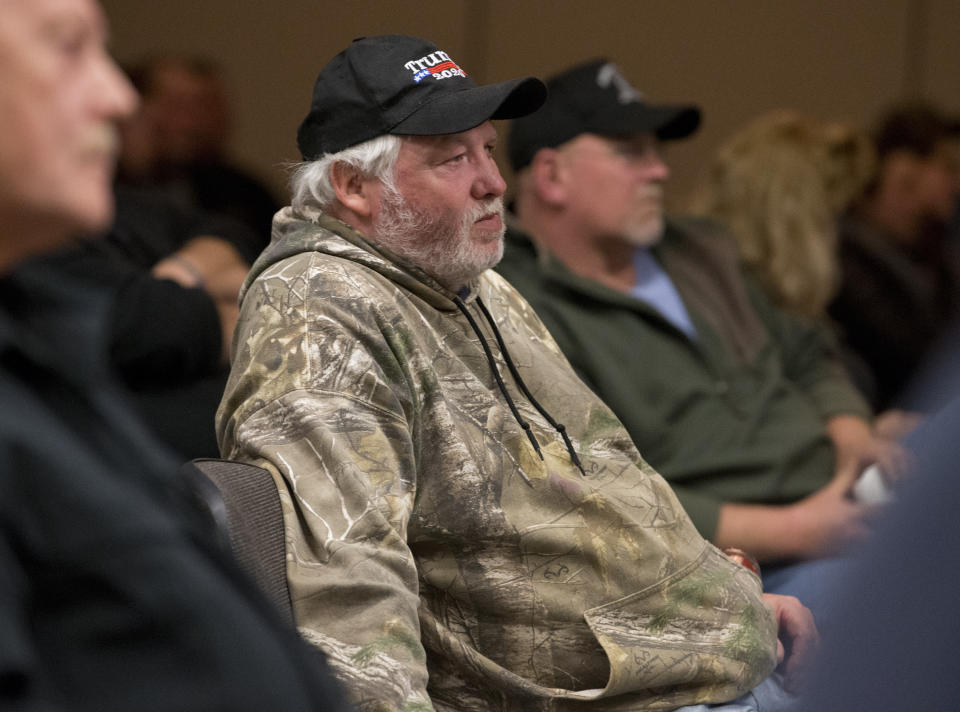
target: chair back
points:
(249, 509)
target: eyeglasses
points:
(642, 151)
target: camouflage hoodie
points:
(438, 557)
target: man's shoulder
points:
(325, 253)
(494, 285)
(533, 269)
(701, 244)
(330, 270)
(688, 230)
(316, 262)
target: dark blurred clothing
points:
(893, 305)
(163, 340)
(149, 225)
(215, 187)
(113, 593)
(890, 642)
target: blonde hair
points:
(780, 185)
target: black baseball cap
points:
(594, 98)
(397, 84)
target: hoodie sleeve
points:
(317, 396)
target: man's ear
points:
(353, 189)
(548, 177)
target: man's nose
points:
(662, 169)
(118, 98)
(653, 167)
(489, 183)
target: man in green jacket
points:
(469, 527)
(746, 411)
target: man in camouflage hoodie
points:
(468, 526)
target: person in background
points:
(900, 271)
(172, 277)
(177, 142)
(113, 594)
(470, 527)
(781, 184)
(746, 410)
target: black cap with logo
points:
(594, 98)
(396, 84)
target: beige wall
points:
(736, 58)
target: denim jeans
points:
(768, 696)
(813, 582)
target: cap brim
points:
(668, 122)
(463, 110)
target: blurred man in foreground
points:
(113, 595)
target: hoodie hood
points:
(295, 232)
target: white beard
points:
(442, 245)
(647, 231)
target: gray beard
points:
(438, 244)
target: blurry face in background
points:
(60, 97)
(190, 114)
(617, 187)
(938, 181)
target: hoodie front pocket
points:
(704, 628)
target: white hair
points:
(310, 182)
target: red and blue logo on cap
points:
(436, 64)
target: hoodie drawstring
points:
(559, 427)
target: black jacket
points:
(113, 594)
